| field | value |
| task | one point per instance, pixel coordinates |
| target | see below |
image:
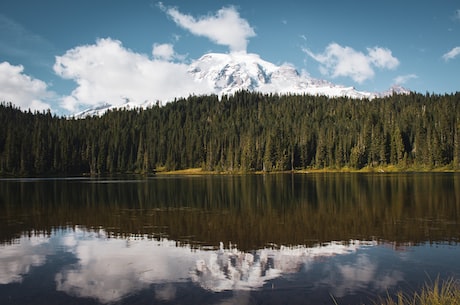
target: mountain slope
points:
(227, 73)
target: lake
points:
(226, 239)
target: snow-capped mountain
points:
(226, 74)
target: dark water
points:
(255, 239)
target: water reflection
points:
(219, 239)
(16, 259)
(236, 270)
(108, 269)
(360, 274)
(251, 211)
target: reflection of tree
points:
(250, 211)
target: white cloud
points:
(166, 52)
(457, 14)
(402, 79)
(451, 54)
(339, 61)
(23, 90)
(163, 51)
(106, 72)
(382, 58)
(225, 27)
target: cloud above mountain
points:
(402, 79)
(225, 27)
(109, 72)
(23, 90)
(163, 51)
(451, 54)
(337, 61)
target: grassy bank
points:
(438, 293)
(188, 171)
(377, 169)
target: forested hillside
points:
(243, 132)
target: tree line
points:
(246, 131)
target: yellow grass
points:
(378, 169)
(188, 171)
(438, 293)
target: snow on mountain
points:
(226, 74)
(103, 108)
(395, 89)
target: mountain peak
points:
(228, 73)
(395, 89)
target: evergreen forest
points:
(243, 132)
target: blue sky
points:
(69, 55)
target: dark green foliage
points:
(243, 132)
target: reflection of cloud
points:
(17, 259)
(109, 269)
(165, 293)
(359, 274)
(356, 276)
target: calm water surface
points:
(254, 239)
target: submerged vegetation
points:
(239, 133)
(445, 293)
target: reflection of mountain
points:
(236, 270)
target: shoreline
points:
(365, 170)
(198, 171)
